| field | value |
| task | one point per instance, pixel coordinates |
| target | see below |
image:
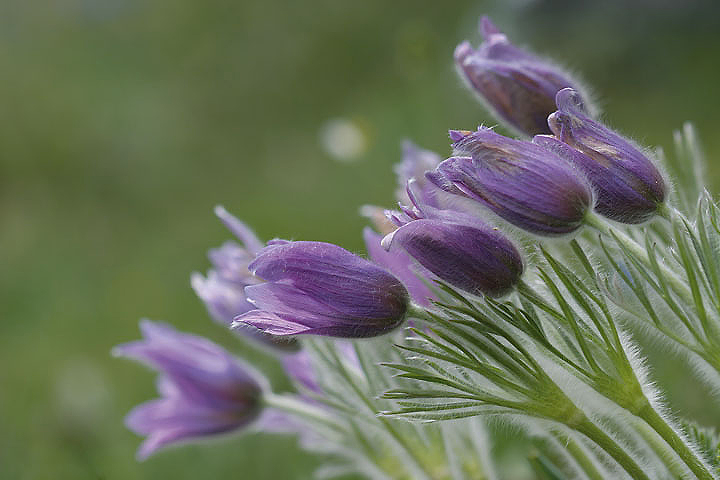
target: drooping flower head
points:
(629, 187)
(223, 289)
(519, 87)
(322, 289)
(204, 391)
(459, 249)
(527, 185)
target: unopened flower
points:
(322, 289)
(518, 87)
(458, 248)
(223, 289)
(525, 184)
(204, 390)
(629, 187)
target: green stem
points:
(580, 456)
(694, 463)
(639, 251)
(661, 449)
(590, 430)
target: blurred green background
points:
(123, 122)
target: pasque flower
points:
(458, 248)
(629, 187)
(204, 391)
(322, 289)
(518, 87)
(223, 289)
(527, 185)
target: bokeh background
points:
(123, 122)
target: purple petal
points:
(239, 229)
(224, 300)
(299, 367)
(271, 323)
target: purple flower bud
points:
(460, 250)
(628, 186)
(521, 182)
(518, 87)
(415, 162)
(204, 390)
(399, 264)
(223, 289)
(322, 289)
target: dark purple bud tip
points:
(629, 188)
(321, 289)
(527, 185)
(516, 85)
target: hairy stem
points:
(580, 456)
(668, 456)
(676, 442)
(604, 441)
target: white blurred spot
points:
(342, 139)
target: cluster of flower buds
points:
(547, 187)
(534, 97)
